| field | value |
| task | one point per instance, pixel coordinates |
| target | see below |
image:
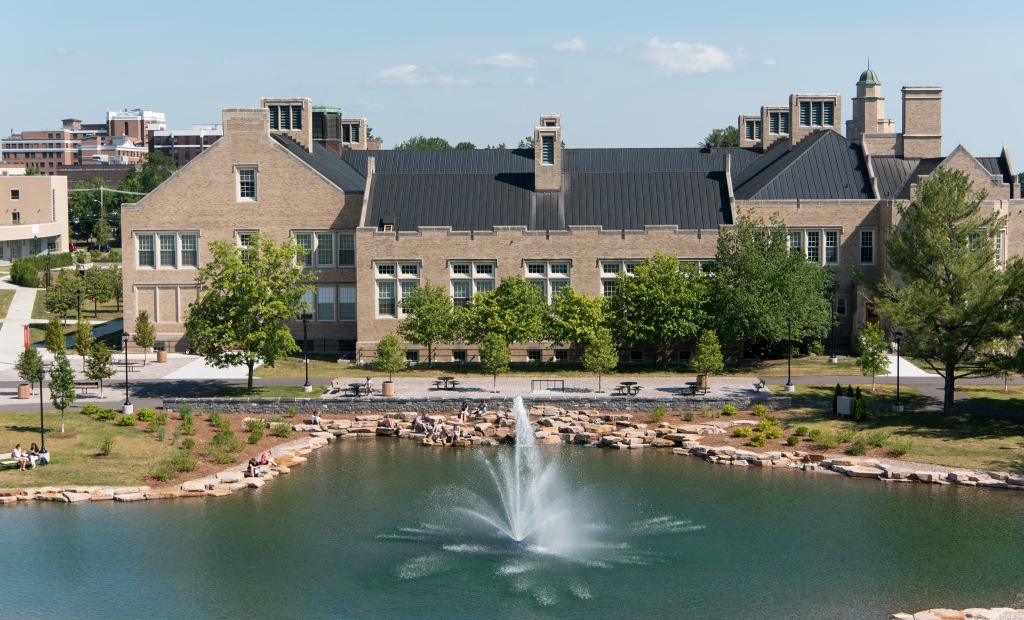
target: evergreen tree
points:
(62, 386)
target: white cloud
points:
(769, 62)
(409, 75)
(572, 45)
(61, 51)
(505, 60)
(682, 57)
(530, 81)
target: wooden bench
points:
(759, 385)
(7, 461)
(85, 386)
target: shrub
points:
(846, 435)
(876, 438)
(835, 399)
(276, 418)
(108, 445)
(188, 427)
(127, 420)
(188, 444)
(800, 431)
(792, 440)
(292, 411)
(764, 424)
(183, 461)
(825, 440)
(107, 414)
(688, 416)
(773, 433)
(705, 411)
(759, 410)
(90, 409)
(145, 415)
(657, 415)
(899, 447)
(741, 431)
(256, 435)
(758, 440)
(226, 441)
(860, 407)
(858, 448)
(220, 422)
(222, 457)
(176, 435)
(849, 391)
(729, 410)
(281, 429)
(161, 418)
(161, 471)
(185, 410)
(24, 273)
(161, 434)
(814, 433)
(254, 424)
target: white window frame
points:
(243, 170)
(479, 273)
(157, 237)
(870, 236)
(840, 306)
(815, 245)
(543, 272)
(392, 271)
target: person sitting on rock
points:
(316, 419)
(464, 412)
(439, 432)
(266, 459)
(253, 470)
(481, 410)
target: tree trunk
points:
(494, 386)
(948, 391)
(872, 384)
(430, 356)
(251, 364)
(598, 383)
(61, 421)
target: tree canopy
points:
(239, 317)
(601, 356)
(576, 318)
(423, 143)
(145, 332)
(759, 282)
(516, 310)
(952, 302)
(62, 385)
(429, 318)
(660, 304)
(494, 356)
(873, 361)
(30, 365)
(723, 136)
(390, 356)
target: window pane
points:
(308, 301)
(385, 270)
(784, 122)
(305, 241)
(296, 117)
(408, 285)
(828, 105)
(536, 268)
(816, 114)
(460, 268)
(346, 303)
(611, 267)
(805, 113)
(189, 251)
(168, 254)
(547, 150)
(867, 246)
(462, 290)
(325, 303)
(773, 123)
(146, 255)
(247, 183)
(750, 130)
(386, 298)
(796, 241)
(556, 286)
(541, 287)
(814, 246)
(324, 249)
(346, 249)
(410, 269)
(484, 286)
(831, 246)
(483, 269)
(560, 268)
(273, 117)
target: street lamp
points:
(832, 325)
(306, 317)
(789, 355)
(127, 409)
(898, 407)
(78, 295)
(42, 431)
(47, 269)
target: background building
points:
(33, 215)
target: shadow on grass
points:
(924, 424)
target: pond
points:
(379, 528)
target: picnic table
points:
(130, 365)
(445, 383)
(690, 389)
(355, 388)
(629, 388)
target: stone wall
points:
(448, 405)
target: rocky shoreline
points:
(978, 613)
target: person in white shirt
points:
(19, 456)
(368, 387)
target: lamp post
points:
(898, 407)
(78, 295)
(832, 326)
(127, 409)
(42, 430)
(306, 316)
(47, 269)
(789, 355)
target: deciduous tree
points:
(239, 317)
(56, 340)
(62, 386)
(99, 365)
(429, 318)
(723, 136)
(61, 296)
(30, 366)
(423, 143)
(576, 318)
(515, 310)
(707, 356)
(84, 340)
(494, 356)
(600, 356)
(952, 302)
(873, 345)
(145, 332)
(390, 356)
(660, 304)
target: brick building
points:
(33, 215)
(380, 222)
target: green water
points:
(365, 530)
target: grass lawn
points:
(37, 336)
(270, 391)
(326, 367)
(993, 396)
(103, 312)
(76, 458)
(883, 394)
(972, 442)
(6, 295)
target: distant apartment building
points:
(122, 140)
(182, 145)
(33, 215)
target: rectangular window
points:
(15, 194)
(355, 134)
(536, 268)
(325, 303)
(814, 246)
(805, 113)
(631, 267)
(974, 241)
(829, 112)
(796, 241)
(559, 269)
(556, 286)
(385, 270)
(307, 302)
(547, 150)
(247, 183)
(484, 269)
(831, 247)
(273, 117)
(305, 241)
(611, 267)
(816, 114)
(168, 251)
(410, 269)
(533, 355)
(346, 250)
(15, 217)
(346, 303)
(412, 356)
(462, 290)
(147, 257)
(296, 117)
(458, 355)
(484, 286)
(324, 250)
(999, 242)
(561, 355)
(867, 247)
(773, 123)
(386, 299)
(749, 130)
(636, 355)
(407, 286)
(784, 123)
(345, 133)
(285, 118)
(541, 286)
(608, 287)
(840, 306)
(460, 269)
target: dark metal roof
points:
(656, 160)
(924, 167)
(997, 166)
(891, 173)
(327, 163)
(451, 161)
(614, 201)
(823, 166)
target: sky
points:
(623, 74)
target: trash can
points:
(702, 382)
(24, 390)
(161, 356)
(387, 388)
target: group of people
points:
(464, 411)
(257, 463)
(28, 460)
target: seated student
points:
(482, 409)
(464, 412)
(438, 432)
(34, 455)
(316, 419)
(19, 456)
(253, 470)
(266, 459)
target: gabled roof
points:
(327, 163)
(823, 166)
(891, 173)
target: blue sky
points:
(623, 74)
